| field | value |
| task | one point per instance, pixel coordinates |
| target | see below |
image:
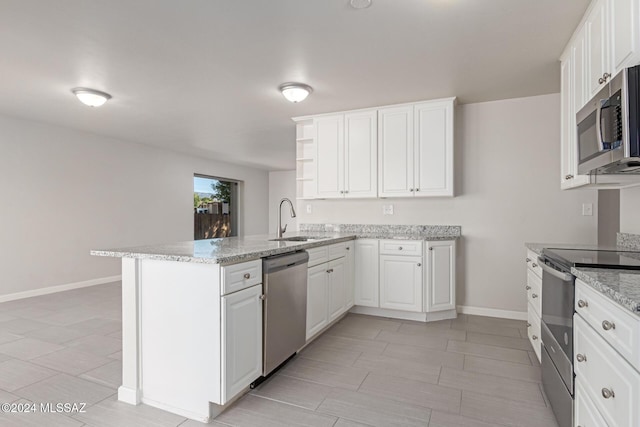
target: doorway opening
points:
(215, 207)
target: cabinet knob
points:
(607, 326)
(330, 270)
(528, 325)
(568, 177)
(528, 259)
(527, 287)
(419, 264)
(535, 337)
(341, 192)
(399, 248)
(411, 189)
(606, 76)
(607, 393)
(581, 358)
(262, 297)
(534, 295)
(247, 275)
(534, 265)
(582, 304)
(430, 248)
(600, 80)
(348, 248)
(417, 189)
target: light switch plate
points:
(308, 208)
(387, 209)
(587, 209)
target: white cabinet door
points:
(330, 155)
(433, 149)
(441, 276)
(317, 299)
(241, 340)
(401, 282)
(597, 47)
(578, 51)
(366, 273)
(337, 289)
(625, 33)
(360, 154)
(586, 413)
(567, 122)
(395, 152)
(349, 261)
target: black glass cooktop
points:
(594, 258)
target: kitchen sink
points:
(294, 239)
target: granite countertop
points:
(538, 247)
(621, 286)
(236, 249)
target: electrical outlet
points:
(387, 209)
(308, 209)
(587, 209)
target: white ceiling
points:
(201, 76)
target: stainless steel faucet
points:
(281, 230)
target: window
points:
(215, 207)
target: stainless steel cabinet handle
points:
(527, 287)
(247, 275)
(528, 259)
(608, 394)
(607, 326)
(582, 304)
(535, 337)
(581, 358)
(534, 295)
(330, 270)
(534, 265)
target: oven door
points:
(558, 289)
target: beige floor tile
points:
(391, 366)
(6, 337)
(487, 329)
(374, 410)
(28, 348)
(495, 321)
(411, 391)
(347, 377)
(354, 331)
(351, 344)
(78, 313)
(97, 344)
(425, 355)
(20, 326)
(498, 411)
(31, 312)
(293, 391)
(443, 419)
(6, 397)
(489, 351)
(97, 326)
(38, 419)
(348, 423)
(109, 375)
(192, 423)
(111, 413)
(445, 332)
(371, 322)
(15, 374)
(4, 316)
(72, 361)
(516, 371)
(338, 357)
(251, 411)
(55, 334)
(65, 388)
(492, 385)
(428, 341)
(499, 341)
(116, 355)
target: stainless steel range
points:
(558, 290)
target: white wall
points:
(281, 184)
(629, 209)
(65, 192)
(508, 186)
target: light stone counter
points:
(621, 286)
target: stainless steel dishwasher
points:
(285, 308)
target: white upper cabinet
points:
(415, 150)
(625, 33)
(597, 48)
(433, 149)
(578, 80)
(330, 155)
(440, 276)
(360, 155)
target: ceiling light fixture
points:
(360, 4)
(295, 92)
(91, 97)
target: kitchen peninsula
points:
(192, 311)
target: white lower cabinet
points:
(585, 412)
(366, 273)
(440, 275)
(337, 289)
(317, 299)
(349, 264)
(241, 340)
(401, 282)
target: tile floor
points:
(365, 371)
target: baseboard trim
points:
(58, 288)
(493, 312)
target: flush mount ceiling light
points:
(295, 92)
(360, 4)
(91, 97)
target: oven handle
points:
(599, 125)
(565, 277)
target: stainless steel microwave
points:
(608, 127)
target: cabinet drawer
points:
(318, 256)
(613, 323)
(401, 247)
(586, 413)
(611, 383)
(336, 251)
(532, 263)
(533, 330)
(236, 277)
(534, 292)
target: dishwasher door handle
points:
(565, 277)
